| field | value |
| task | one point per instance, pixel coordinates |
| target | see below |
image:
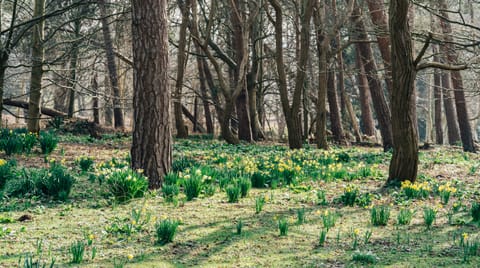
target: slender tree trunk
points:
(96, 111)
(3, 69)
(457, 83)
(33, 123)
(437, 96)
(181, 61)
(152, 137)
(378, 98)
(335, 119)
(453, 132)
(365, 98)
(73, 69)
(380, 21)
(203, 91)
(404, 163)
(112, 68)
(320, 105)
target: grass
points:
(207, 236)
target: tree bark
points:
(404, 162)
(33, 121)
(378, 98)
(152, 139)
(335, 118)
(457, 83)
(96, 111)
(453, 132)
(437, 96)
(73, 68)
(181, 61)
(203, 92)
(112, 67)
(365, 99)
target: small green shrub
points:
(301, 216)
(171, 178)
(85, 163)
(364, 257)
(77, 250)
(24, 183)
(48, 142)
(57, 183)
(125, 184)
(350, 195)
(11, 143)
(405, 216)
(322, 198)
(328, 219)
(239, 227)
(245, 184)
(323, 237)
(429, 215)
(193, 186)
(259, 179)
(283, 226)
(475, 211)
(209, 189)
(166, 230)
(233, 193)
(6, 171)
(259, 202)
(170, 191)
(182, 163)
(379, 215)
(29, 141)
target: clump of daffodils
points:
(416, 189)
(445, 191)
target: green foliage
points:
(233, 193)
(328, 219)
(182, 163)
(7, 171)
(166, 230)
(125, 184)
(283, 226)
(245, 184)
(48, 142)
(239, 227)
(259, 179)
(379, 215)
(475, 211)
(364, 257)
(29, 262)
(57, 183)
(77, 250)
(323, 237)
(25, 182)
(405, 216)
(11, 143)
(429, 215)
(193, 185)
(301, 216)
(209, 189)
(85, 163)
(350, 195)
(259, 202)
(322, 198)
(170, 192)
(29, 141)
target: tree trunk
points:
(365, 98)
(152, 139)
(112, 68)
(73, 68)
(404, 163)
(96, 112)
(203, 91)
(335, 118)
(437, 96)
(378, 98)
(181, 62)
(457, 82)
(453, 132)
(33, 123)
(3, 69)
(379, 19)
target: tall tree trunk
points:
(453, 132)
(320, 105)
(96, 112)
(335, 118)
(437, 96)
(33, 123)
(152, 138)
(378, 98)
(112, 68)
(240, 50)
(292, 112)
(181, 62)
(457, 83)
(203, 91)
(404, 162)
(73, 68)
(3, 70)
(365, 98)
(379, 19)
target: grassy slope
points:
(207, 236)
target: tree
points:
(152, 139)
(33, 123)
(404, 162)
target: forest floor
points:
(303, 189)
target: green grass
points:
(207, 237)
